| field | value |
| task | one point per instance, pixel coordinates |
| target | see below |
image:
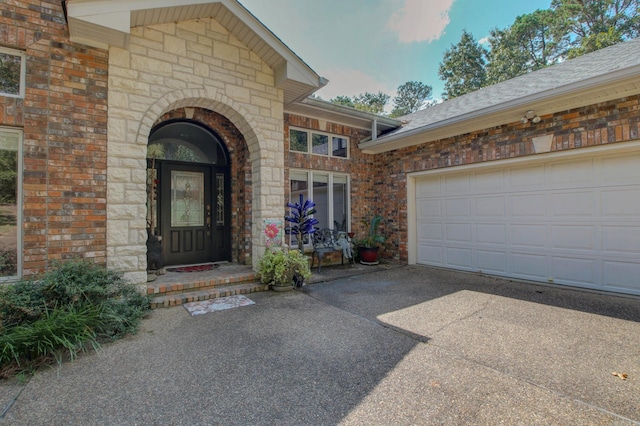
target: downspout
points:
(374, 129)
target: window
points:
(321, 143)
(330, 192)
(10, 199)
(12, 73)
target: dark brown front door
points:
(186, 213)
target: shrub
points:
(74, 306)
(278, 266)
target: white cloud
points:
(420, 20)
(484, 41)
(350, 82)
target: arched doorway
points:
(188, 204)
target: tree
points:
(343, 100)
(589, 25)
(371, 102)
(412, 96)
(463, 67)
(527, 45)
(9, 74)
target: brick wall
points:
(598, 124)
(64, 119)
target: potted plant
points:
(282, 269)
(302, 221)
(368, 246)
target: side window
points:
(12, 72)
(10, 235)
(325, 144)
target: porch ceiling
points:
(105, 23)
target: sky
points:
(377, 45)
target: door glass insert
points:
(220, 200)
(187, 198)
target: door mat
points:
(195, 268)
(218, 304)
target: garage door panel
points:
(491, 207)
(430, 231)
(621, 239)
(429, 209)
(528, 205)
(573, 237)
(623, 203)
(491, 182)
(573, 204)
(530, 266)
(492, 261)
(431, 187)
(458, 232)
(576, 271)
(457, 184)
(491, 233)
(568, 220)
(573, 174)
(527, 177)
(524, 235)
(620, 170)
(459, 258)
(457, 207)
(622, 275)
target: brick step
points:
(206, 293)
(188, 284)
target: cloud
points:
(420, 20)
(350, 82)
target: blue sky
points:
(377, 45)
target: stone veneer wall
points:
(177, 65)
(598, 124)
(64, 119)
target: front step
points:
(173, 289)
(206, 293)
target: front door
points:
(186, 213)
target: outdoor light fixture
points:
(530, 116)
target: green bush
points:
(278, 266)
(74, 306)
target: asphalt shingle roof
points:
(589, 66)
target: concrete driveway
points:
(406, 345)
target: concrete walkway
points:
(407, 345)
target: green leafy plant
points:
(373, 238)
(73, 307)
(279, 266)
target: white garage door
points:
(571, 220)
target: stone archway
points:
(126, 198)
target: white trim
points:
(413, 177)
(23, 71)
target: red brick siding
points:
(64, 119)
(602, 123)
(241, 183)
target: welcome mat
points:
(195, 268)
(218, 304)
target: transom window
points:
(318, 143)
(12, 73)
(330, 192)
